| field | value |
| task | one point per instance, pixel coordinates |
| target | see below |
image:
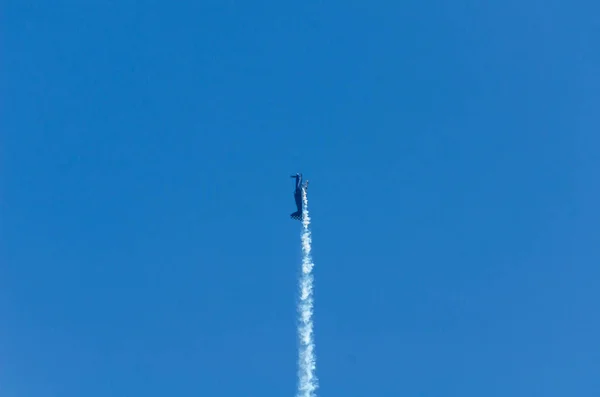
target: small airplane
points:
(298, 196)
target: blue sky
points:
(146, 245)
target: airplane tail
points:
(296, 215)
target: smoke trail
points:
(307, 380)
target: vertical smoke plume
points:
(307, 380)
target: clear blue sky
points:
(146, 244)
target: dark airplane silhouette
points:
(298, 196)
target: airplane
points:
(298, 196)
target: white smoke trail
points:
(307, 380)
